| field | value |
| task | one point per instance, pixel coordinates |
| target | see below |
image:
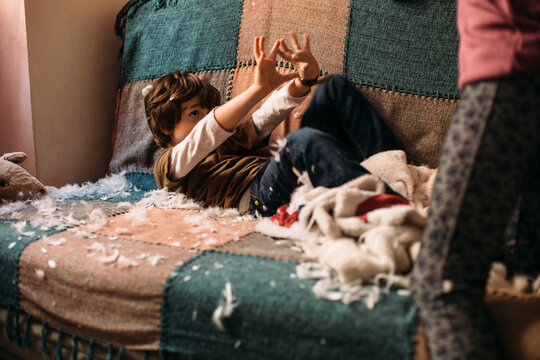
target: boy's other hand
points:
(267, 77)
(301, 57)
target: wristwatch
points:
(309, 82)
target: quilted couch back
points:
(402, 54)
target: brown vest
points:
(224, 175)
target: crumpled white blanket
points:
(329, 231)
(413, 182)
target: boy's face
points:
(192, 113)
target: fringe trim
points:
(90, 350)
(16, 332)
(44, 333)
(8, 324)
(158, 4)
(75, 347)
(128, 11)
(121, 353)
(27, 331)
(59, 344)
(18, 338)
(109, 352)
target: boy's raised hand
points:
(301, 57)
(267, 79)
(266, 75)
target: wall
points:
(15, 108)
(73, 72)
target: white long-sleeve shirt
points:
(207, 134)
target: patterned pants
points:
(484, 208)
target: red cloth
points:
(377, 202)
(283, 218)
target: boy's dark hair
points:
(163, 102)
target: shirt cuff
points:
(286, 94)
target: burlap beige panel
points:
(418, 122)
(99, 287)
(325, 21)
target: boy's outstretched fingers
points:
(306, 41)
(256, 49)
(294, 42)
(301, 57)
(274, 51)
(284, 51)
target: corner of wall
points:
(15, 106)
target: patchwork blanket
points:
(117, 268)
(123, 266)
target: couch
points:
(118, 269)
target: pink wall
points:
(74, 72)
(15, 107)
(58, 79)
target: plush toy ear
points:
(16, 157)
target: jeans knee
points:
(336, 81)
(305, 138)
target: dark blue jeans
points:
(339, 130)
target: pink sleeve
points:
(497, 38)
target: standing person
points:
(489, 167)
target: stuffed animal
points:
(16, 184)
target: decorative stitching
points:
(27, 331)
(90, 350)
(392, 92)
(18, 338)
(8, 324)
(75, 347)
(59, 344)
(405, 91)
(44, 333)
(347, 39)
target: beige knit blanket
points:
(329, 231)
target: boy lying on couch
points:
(210, 154)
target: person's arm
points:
(278, 106)
(266, 80)
(274, 110)
(220, 123)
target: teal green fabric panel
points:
(138, 184)
(277, 315)
(188, 35)
(12, 245)
(142, 181)
(406, 45)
